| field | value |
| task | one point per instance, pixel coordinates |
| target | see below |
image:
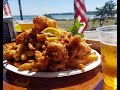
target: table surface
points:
(85, 81)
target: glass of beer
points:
(108, 48)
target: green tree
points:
(105, 11)
(48, 15)
(93, 21)
(110, 6)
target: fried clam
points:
(75, 64)
(40, 22)
(25, 66)
(8, 54)
(18, 52)
(31, 47)
(51, 23)
(65, 38)
(74, 46)
(41, 37)
(57, 66)
(9, 46)
(9, 49)
(41, 61)
(78, 49)
(38, 45)
(56, 51)
(23, 37)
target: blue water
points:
(25, 17)
(61, 16)
(29, 18)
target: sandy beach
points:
(65, 24)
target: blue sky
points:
(41, 7)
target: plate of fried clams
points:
(48, 51)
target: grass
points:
(97, 24)
(65, 24)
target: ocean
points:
(29, 18)
(58, 17)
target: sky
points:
(41, 7)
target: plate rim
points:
(54, 74)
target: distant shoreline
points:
(70, 13)
(61, 16)
(55, 16)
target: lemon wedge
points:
(53, 31)
(17, 28)
(51, 38)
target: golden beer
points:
(109, 64)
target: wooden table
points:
(85, 81)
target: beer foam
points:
(109, 39)
(109, 43)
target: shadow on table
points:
(48, 83)
(99, 86)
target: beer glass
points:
(108, 48)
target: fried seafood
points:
(51, 23)
(30, 46)
(65, 38)
(23, 37)
(42, 22)
(48, 49)
(56, 51)
(77, 48)
(9, 50)
(19, 51)
(25, 66)
(23, 56)
(57, 66)
(41, 37)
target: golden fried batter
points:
(9, 49)
(77, 48)
(23, 37)
(51, 23)
(40, 22)
(56, 51)
(33, 51)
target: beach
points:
(65, 24)
(66, 21)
